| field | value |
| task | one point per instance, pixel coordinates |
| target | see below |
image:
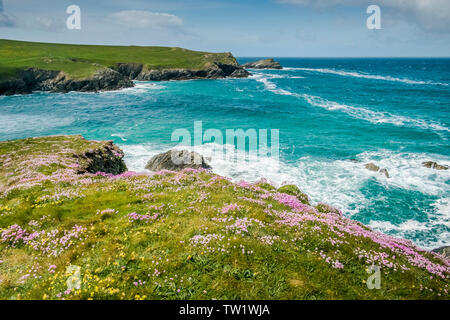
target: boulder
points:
(373, 167)
(177, 160)
(385, 172)
(108, 159)
(434, 165)
(263, 64)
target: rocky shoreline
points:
(120, 77)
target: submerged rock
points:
(385, 172)
(293, 190)
(373, 167)
(177, 160)
(263, 64)
(434, 165)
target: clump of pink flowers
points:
(230, 207)
(142, 217)
(291, 202)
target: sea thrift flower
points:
(230, 207)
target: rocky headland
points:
(77, 67)
(263, 64)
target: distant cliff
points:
(28, 66)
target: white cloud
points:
(430, 15)
(146, 19)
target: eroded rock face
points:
(175, 160)
(55, 81)
(434, 165)
(107, 159)
(263, 64)
(108, 79)
(214, 71)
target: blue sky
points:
(298, 28)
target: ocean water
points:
(393, 112)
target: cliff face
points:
(108, 79)
(213, 71)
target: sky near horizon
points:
(279, 28)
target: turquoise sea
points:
(393, 112)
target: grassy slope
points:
(187, 246)
(80, 61)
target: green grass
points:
(81, 61)
(118, 256)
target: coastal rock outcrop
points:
(373, 167)
(57, 81)
(213, 71)
(263, 64)
(177, 160)
(434, 165)
(108, 79)
(108, 159)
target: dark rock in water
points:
(293, 190)
(177, 160)
(385, 172)
(372, 167)
(325, 208)
(445, 251)
(263, 64)
(107, 159)
(355, 160)
(434, 165)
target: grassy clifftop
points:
(184, 235)
(83, 61)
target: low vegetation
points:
(184, 235)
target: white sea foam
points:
(367, 76)
(118, 135)
(374, 117)
(334, 181)
(269, 85)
